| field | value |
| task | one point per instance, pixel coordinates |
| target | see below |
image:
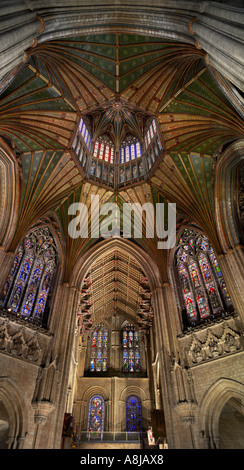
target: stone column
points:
(163, 349)
(20, 26)
(218, 30)
(63, 326)
(108, 411)
(232, 270)
(81, 415)
(6, 261)
(167, 326)
(41, 412)
(82, 351)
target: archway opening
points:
(231, 426)
(112, 343)
(4, 426)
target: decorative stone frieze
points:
(215, 341)
(23, 340)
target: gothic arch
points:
(224, 186)
(212, 404)
(95, 390)
(104, 322)
(178, 236)
(149, 265)
(10, 193)
(132, 390)
(197, 279)
(17, 412)
(184, 23)
(30, 249)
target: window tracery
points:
(133, 414)
(27, 286)
(99, 350)
(96, 417)
(202, 285)
(131, 349)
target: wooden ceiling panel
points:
(116, 287)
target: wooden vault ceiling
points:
(116, 285)
(66, 78)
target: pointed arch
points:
(17, 412)
(225, 185)
(144, 259)
(212, 404)
(199, 282)
(27, 287)
(10, 193)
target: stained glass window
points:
(96, 417)
(131, 350)
(138, 149)
(209, 283)
(201, 281)
(112, 155)
(28, 283)
(133, 414)
(188, 297)
(103, 151)
(99, 350)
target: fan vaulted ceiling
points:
(67, 78)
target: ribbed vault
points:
(71, 76)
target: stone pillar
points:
(232, 270)
(20, 28)
(20, 442)
(41, 412)
(163, 348)
(80, 415)
(167, 326)
(6, 260)
(115, 346)
(82, 351)
(63, 326)
(108, 411)
(218, 30)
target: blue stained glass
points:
(133, 414)
(31, 274)
(95, 417)
(12, 274)
(26, 267)
(18, 290)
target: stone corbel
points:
(189, 26)
(42, 24)
(186, 410)
(41, 411)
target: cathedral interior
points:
(109, 341)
